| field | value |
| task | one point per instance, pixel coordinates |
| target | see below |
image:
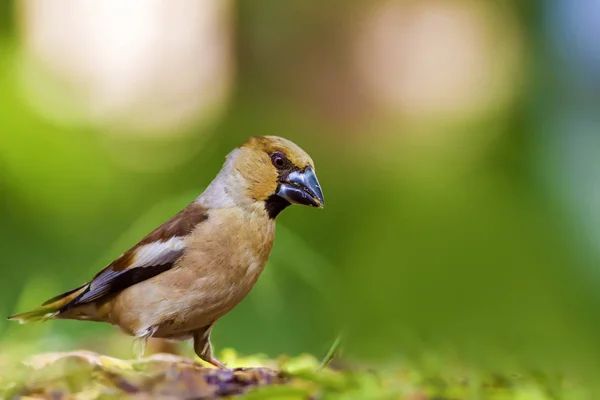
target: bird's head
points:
(277, 173)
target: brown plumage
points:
(193, 269)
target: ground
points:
(85, 375)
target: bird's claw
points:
(216, 363)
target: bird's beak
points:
(302, 188)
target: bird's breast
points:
(222, 261)
(232, 243)
(221, 264)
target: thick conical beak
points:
(302, 188)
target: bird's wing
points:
(153, 255)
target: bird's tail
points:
(51, 308)
(42, 313)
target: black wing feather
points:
(118, 282)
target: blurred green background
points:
(456, 142)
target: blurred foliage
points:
(441, 243)
(6, 17)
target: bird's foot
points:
(139, 347)
(216, 363)
(139, 344)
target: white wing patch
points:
(154, 254)
(158, 253)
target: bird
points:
(181, 278)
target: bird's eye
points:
(278, 160)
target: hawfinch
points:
(193, 269)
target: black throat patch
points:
(275, 204)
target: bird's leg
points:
(141, 339)
(203, 348)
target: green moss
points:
(93, 376)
